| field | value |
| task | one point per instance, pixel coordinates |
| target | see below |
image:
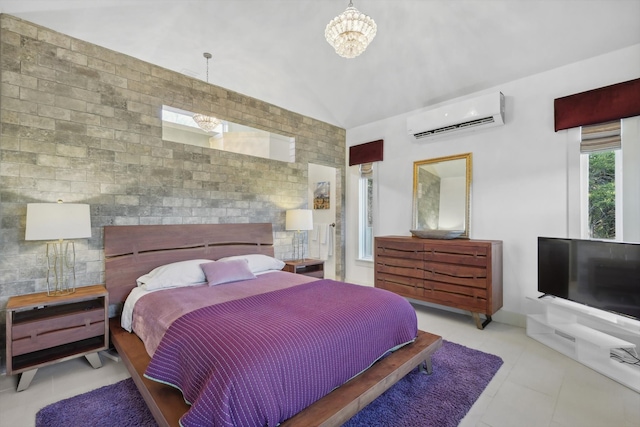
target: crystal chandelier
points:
(206, 123)
(350, 32)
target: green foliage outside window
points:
(602, 195)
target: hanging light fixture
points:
(206, 123)
(350, 32)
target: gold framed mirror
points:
(441, 194)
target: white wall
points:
(631, 171)
(520, 172)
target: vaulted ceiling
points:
(425, 52)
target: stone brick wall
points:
(83, 123)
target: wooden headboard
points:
(133, 250)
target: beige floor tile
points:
(540, 373)
(474, 416)
(517, 405)
(586, 409)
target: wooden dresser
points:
(464, 274)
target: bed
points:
(132, 251)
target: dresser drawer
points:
(466, 291)
(462, 302)
(403, 285)
(461, 297)
(460, 255)
(456, 274)
(399, 266)
(409, 250)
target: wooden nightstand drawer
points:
(308, 267)
(44, 340)
(49, 322)
(312, 270)
(42, 330)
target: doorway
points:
(323, 190)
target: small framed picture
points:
(321, 195)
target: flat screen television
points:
(600, 274)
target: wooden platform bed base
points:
(336, 408)
(131, 251)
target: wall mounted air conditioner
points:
(470, 114)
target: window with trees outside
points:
(600, 168)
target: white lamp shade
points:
(54, 221)
(299, 219)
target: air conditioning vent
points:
(447, 129)
(481, 112)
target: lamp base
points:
(61, 272)
(298, 247)
(60, 292)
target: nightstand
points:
(42, 330)
(308, 267)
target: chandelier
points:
(350, 32)
(206, 123)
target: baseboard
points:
(510, 318)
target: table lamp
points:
(57, 222)
(299, 220)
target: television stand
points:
(586, 335)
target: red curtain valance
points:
(607, 103)
(366, 153)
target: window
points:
(599, 170)
(365, 212)
(601, 178)
(364, 156)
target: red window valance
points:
(605, 104)
(366, 153)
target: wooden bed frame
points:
(131, 251)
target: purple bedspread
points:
(259, 360)
(156, 311)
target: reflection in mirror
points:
(178, 126)
(441, 189)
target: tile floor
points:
(536, 386)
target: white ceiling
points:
(425, 51)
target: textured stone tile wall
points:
(83, 124)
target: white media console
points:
(587, 335)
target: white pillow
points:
(183, 273)
(258, 262)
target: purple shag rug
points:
(441, 399)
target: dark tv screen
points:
(600, 274)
